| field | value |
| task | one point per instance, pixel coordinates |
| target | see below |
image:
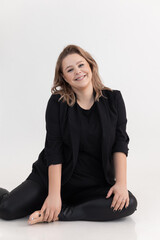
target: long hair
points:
(65, 90)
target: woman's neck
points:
(85, 97)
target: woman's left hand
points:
(121, 196)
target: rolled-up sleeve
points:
(121, 139)
(53, 143)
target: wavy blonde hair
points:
(66, 91)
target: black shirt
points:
(88, 171)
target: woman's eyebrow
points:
(71, 65)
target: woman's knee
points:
(132, 203)
(7, 211)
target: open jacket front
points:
(63, 136)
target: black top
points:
(88, 171)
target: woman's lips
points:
(80, 78)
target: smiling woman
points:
(77, 73)
(72, 65)
(77, 70)
(81, 172)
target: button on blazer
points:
(63, 135)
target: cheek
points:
(87, 70)
(90, 72)
(70, 78)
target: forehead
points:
(72, 59)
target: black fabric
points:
(87, 204)
(22, 200)
(96, 208)
(63, 136)
(88, 171)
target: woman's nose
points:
(77, 70)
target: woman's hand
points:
(49, 211)
(121, 196)
(52, 207)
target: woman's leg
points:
(93, 206)
(22, 201)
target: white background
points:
(123, 36)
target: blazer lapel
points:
(74, 128)
(107, 135)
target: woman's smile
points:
(80, 78)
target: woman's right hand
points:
(51, 208)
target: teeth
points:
(80, 78)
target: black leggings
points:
(77, 204)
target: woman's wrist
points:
(54, 193)
(121, 183)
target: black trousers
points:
(78, 204)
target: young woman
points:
(81, 172)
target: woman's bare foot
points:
(36, 217)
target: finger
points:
(123, 201)
(55, 218)
(118, 203)
(43, 209)
(109, 193)
(127, 203)
(42, 213)
(115, 198)
(46, 215)
(50, 218)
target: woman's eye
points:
(69, 70)
(72, 69)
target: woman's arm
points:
(120, 147)
(120, 163)
(54, 173)
(119, 189)
(120, 153)
(53, 203)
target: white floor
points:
(143, 224)
(18, 229)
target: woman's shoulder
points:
(111, 94)
(54, 97)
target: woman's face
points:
(76, 71)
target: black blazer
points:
(63, 136)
